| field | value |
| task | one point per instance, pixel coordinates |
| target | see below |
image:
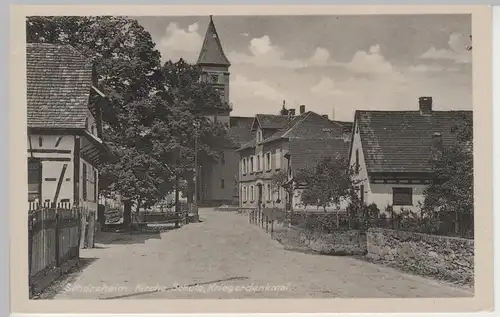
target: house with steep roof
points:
(286, 144)
(392, 152)
(64, 141)
(218, 181)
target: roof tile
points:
(400, 141)
(59, 80)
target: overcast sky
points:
(332, 62)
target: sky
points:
(333, 65)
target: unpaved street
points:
(226, 257)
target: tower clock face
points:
(214, 78)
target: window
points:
(268, 161)
(269, 195)
(222, 183)
(84, 181)
(251, 193)
(34, 179)
(402, 196)
(362, 193)
(278, 158)
(278, 194)
(259, 136)
(357, 161)
(244, 166)
(40, 141)
(243, 193)
(258, 162)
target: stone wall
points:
(352, 242)
(446, 258)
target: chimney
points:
(291, 112)
(436, 146)
(283, 110)
(425, 105)
(302, 109)
(333, 114)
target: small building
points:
(64, 141)
(392, 152)
(282, 145)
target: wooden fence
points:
(55, 237)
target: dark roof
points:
(306, 153)
(240, 130)
(347, 125)
(400, 141)
(211, 52)
(270, 121)
(309, 125)
(59, 81)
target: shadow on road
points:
(66, 279)
(109, 238)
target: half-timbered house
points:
(64, 137)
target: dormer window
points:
(259, 136)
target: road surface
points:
(226, 257)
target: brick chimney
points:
(425, 105)
(302, 109)
(437, 145)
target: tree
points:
(328, 183)
(451, 194)
(151, 109)
(190, 99)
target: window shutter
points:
(95, 186)
(84, 181)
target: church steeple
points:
(211, 51)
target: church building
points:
(218, 182)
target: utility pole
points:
(195, 196)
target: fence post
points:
(58, 255)
(83, 225)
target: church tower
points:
(215, 67)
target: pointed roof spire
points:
(211, 51)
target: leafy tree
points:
(190, 99)
(328, 183)
(451, 194)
